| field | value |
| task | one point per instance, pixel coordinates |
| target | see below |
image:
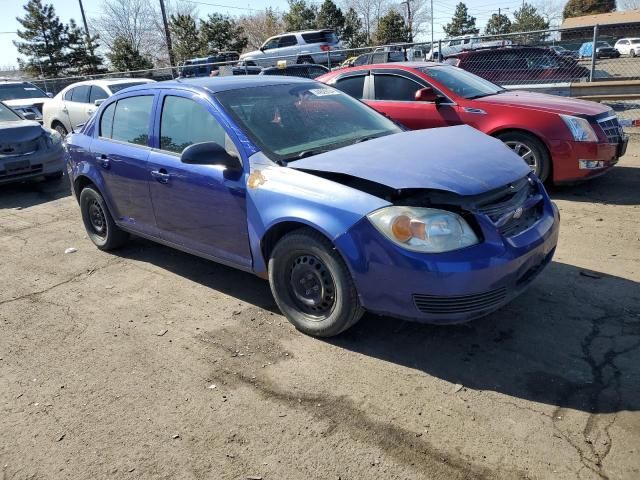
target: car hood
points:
(19, 131)
(458, 159)
(545, 102)
(26, 102)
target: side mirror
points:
(49, 94)
(210, 153)
(426, 95)
(98, 102)
(262, 49)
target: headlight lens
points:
(580, 128)
(424, 229)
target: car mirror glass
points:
(210, 153)
(98, 102)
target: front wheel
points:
(304, 59)
(312, 285)
(101, 229)
(531, 150)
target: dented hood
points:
(457, 159)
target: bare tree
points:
(551, 10)
(370, 12)
(419, 22)
(259, 26)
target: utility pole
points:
(431, 25)
(167, 34)
(408, 3)
(88, 35)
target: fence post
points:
(439, 50)
(593, 53)
(329, 59)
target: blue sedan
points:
(341, 209)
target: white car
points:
(24, 97)
(464, 42)
(628, 46)
(75, 104)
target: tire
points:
(328, 303)
(632, 52)
(535, 147)
(60, 128)
(304, 59)
(98, 222)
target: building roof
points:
(627, 16)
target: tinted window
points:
(121, 86)
(8, 115)
(81, 94)
(287, 41)
(131, 120)
(97, 93)
(13, 91)
(269, 44)
(320, 37)
(69, 94)
(394, 87)
(106, 121)
(185, 122)
(352, 85)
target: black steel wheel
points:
(98, 222)
(312, 285)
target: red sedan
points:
(562, 139)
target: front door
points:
(394, 95)
(120, 151)
(196, 206)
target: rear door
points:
(393, 94)
(77, 105)
(196, 206)
(352, 83)
(121, 152)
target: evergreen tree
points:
(125, 56)
(498, 24)
(528, 19)
(330, 16)
(300, 16)
(461, 23)
(352, 34)
(185, 38)
(392, 29)
(221, 32)
(578, 8)
(44, 40)
(82, 57)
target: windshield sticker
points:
(30, 88)
(323, 92)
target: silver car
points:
(309, 46)
(27, 149)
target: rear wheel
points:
(304, 59)
(632, 52)
(531, 150)
(312, 285)
(60, 128)
(98, 222)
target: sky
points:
(67, 9)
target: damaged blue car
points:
(340, 208)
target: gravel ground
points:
(150, 363)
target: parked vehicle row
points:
(23, 97)
(339, 207)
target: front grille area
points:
(434, 304)
(612, 129)
(31, 170)
(22, 148)
(516, 209)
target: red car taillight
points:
(325, 48)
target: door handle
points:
(103, 160)
(161, 175)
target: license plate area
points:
(17, 167)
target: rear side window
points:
(185, 122)
(81, 94)
(131, 120)
(287, 41)
(320, 37)
(394, 87)
(69, 94)
(97, 93)
(106, 121)
(353, 86)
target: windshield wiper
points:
(304, 154)
(369, 137)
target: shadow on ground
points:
(570, 340)
(617, 187)
(33, 192)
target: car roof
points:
(219, 84)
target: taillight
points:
(325, 48)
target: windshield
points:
(116, 87)
(16, 91)
(461, 82)
(8, 115)
(293, 121)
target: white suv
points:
(309, 46)
(75, 104)
(464, 42)
(628, 46)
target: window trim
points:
(151, 131)
(358, 73)
(409, 76)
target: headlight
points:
(580, 128)
(423, 229)
(53, 138)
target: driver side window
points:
(395, 87)
(270, 44)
